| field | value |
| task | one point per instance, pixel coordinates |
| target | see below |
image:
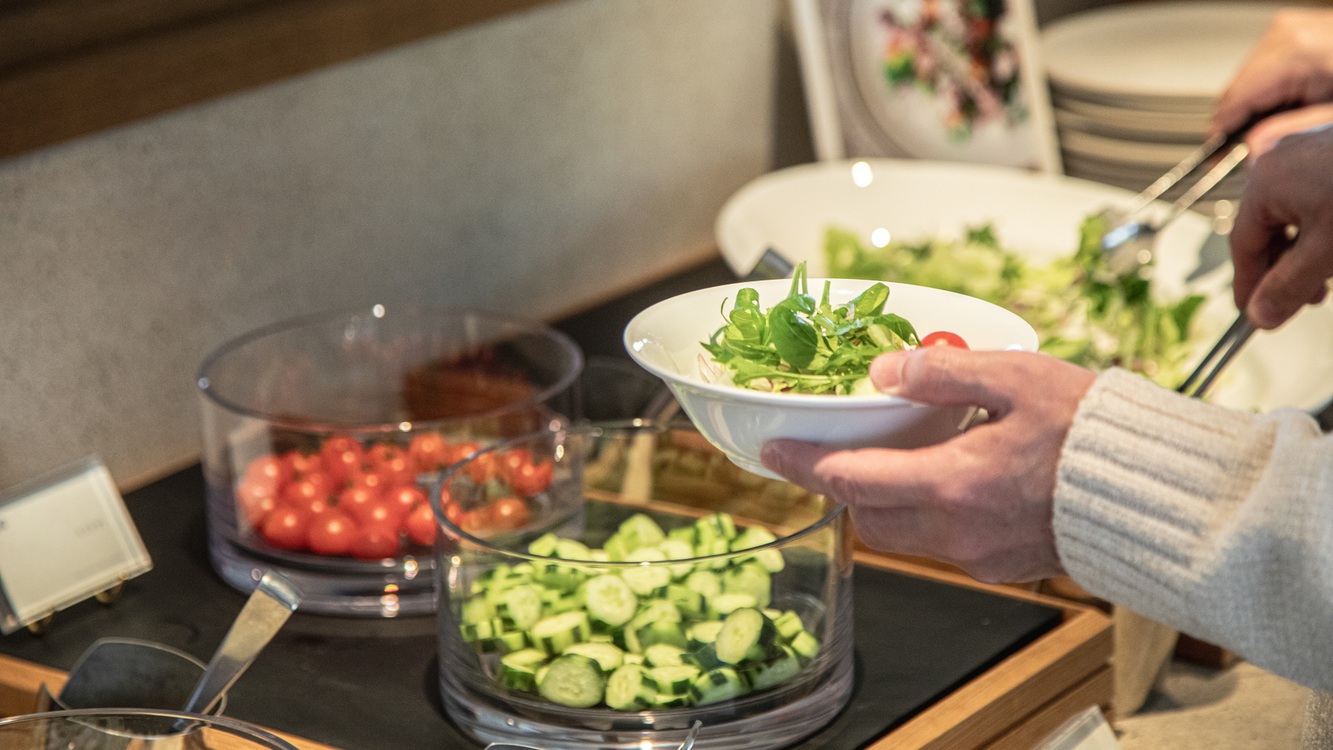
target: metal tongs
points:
(1198, 382)
(1128, 244)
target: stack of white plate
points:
(1133, 86)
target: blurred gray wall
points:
(537, 163)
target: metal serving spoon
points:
(269, 606)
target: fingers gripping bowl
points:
(666, 339)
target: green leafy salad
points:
(802, 345)
(1081, 311)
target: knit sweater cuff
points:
(1134, 495)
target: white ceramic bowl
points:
(666, 340)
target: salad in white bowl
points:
(721, 351)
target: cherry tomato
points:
(514, 459)
(370, 481)
(473, 521)
(420, 525)
(454, 513)
(391, 463)
(508, 513)
(270, 471)
(306, 490)
(341, 456)
(332, 533)
(375, 542)
(379, 512)
(460, 451)
(406, 497)
(944, 338)
(429, 452)
(483, 467)
(255, 502)
(355, 498)
(303, 463)
(532, 479)
(285, 528)
(312, 506)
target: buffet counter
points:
(940, 660)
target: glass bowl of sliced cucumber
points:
(615, 619)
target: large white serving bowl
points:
(666, 339)
(1034, 214)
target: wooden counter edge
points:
(21, 682)
(1060, 674)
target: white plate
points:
(790, 210)
(926, 123)
(1190, 134)
(1127, 117)
(1160, 156)
(1172, 54)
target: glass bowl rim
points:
(833, 510)
(235, 726)
(380, 311)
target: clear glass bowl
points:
(141, 729)
(322, 436)
(764, 678)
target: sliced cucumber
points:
(630, 688)
(717, 685)
(758, 536)
(573, 680)
(675, 679)
(749, 578)
(663, 634)
(640, 530)
(607, 655)
(664, 655)
(742, 631)
(609, 599)
(520, 606)
(773, 672)
(556, 633)
(646, 580)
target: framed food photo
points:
(953, 80)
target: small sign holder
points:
(64, 538)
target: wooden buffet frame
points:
(1011, 706)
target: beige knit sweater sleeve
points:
(1214, 521)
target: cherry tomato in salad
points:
(341, 456)
(508, 513)
(285, 528)
(944, 338)
(429, 451)
(375, 542)
(420, 525)
(332, 533)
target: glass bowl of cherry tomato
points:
(322, 435)
(616, 618)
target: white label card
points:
(63, 539)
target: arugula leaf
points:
(805, 346)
